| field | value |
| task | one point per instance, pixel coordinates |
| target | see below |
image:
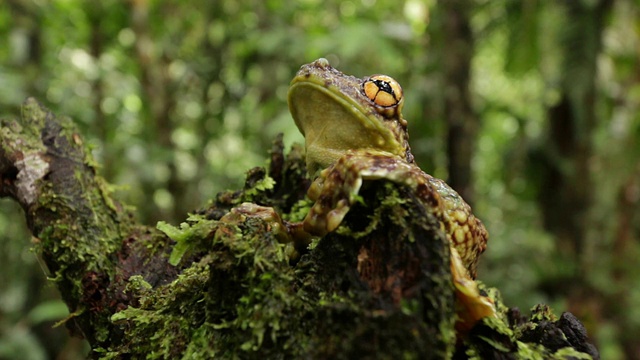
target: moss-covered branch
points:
(86, 238)
(378, 287)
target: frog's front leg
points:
(335, 191)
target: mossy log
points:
(378, 287)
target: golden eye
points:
(383, 90)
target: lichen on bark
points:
(380, 287)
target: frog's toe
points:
(324, 219)
(335, 216)
(315, 223)
(472, 306)
(268, 214)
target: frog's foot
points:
(337, 187)
(471, 305)
(268, 214)
(284, 232)
(334, 192)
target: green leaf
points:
(179, 236)
(48, 311)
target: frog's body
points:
(354, 131)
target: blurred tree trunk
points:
(567, 188)
(625, 252)
(462, 122)
(28, 54)
(95, 12)
(567, 195)
(160, 102)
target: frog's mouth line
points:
(318, 108)
(334, 123)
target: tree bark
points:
(366, 291)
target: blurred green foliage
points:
(179, 99)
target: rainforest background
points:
(529, 108)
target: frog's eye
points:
(383, 90)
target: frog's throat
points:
(332, 123)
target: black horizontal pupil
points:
(384, 86)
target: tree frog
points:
(354, 131)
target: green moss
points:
(232, 302)
(187, 236)
(299, 210)
(378, 287)
(163, 323)
(495, 336)
(243, 299)
(262, 185)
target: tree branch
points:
(380, 286)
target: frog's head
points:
(337, 113)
